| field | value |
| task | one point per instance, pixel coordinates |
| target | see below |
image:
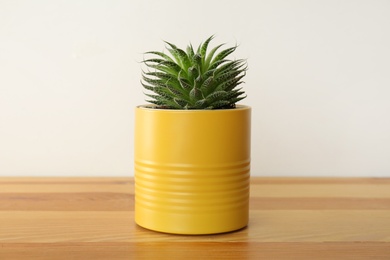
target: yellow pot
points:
(192, 169)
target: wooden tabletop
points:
(290, 218)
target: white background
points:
(318, 81)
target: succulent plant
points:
(194, 80)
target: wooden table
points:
(290, 218)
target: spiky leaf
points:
(194, 80)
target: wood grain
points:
(201, 250)
(290, 218)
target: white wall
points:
(318, 81)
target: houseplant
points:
(192, 143)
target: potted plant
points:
(192, 143)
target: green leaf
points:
(160, 75)
(180, 102)
(148, 87)
(165, 92)
(234, 94)
(195, 94)
(200, 104)
(198, 82)
(220, 104)
(175, 91)
(155, 82)
(161, 54)
(185, 84)
(230, 66)
(211, 55)
(197, 60)
(190, 51)
(215, 96)
(203, 49)
(154, 60)
(162, 101)
(229, 75)
(171, 64)
(231, 84)
(193, 73)
(223, 54)
(164, 69)
(179, 55)
(215, 65)
(206, 84)
(235, 100)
